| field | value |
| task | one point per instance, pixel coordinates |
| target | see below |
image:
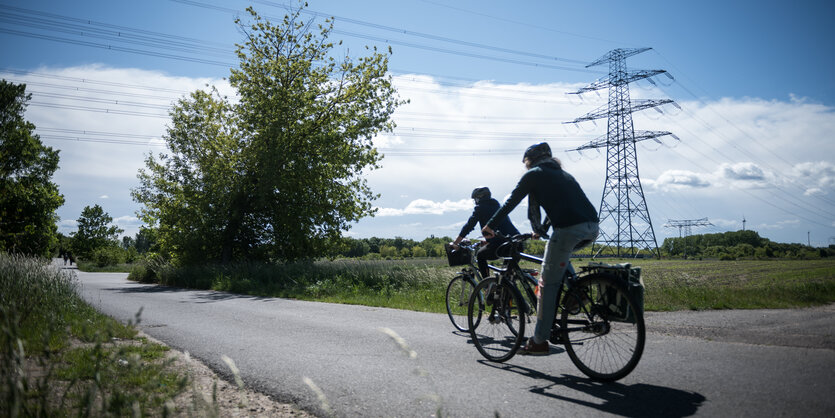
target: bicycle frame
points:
(516, 273)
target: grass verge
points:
(59, 357)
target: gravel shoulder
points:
(211, 395)
(806, 328)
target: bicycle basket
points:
(460, 257)
(631, 277)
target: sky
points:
(752, 82)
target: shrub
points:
(142, 274)
(108, 256)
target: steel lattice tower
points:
(625, 224)
(686, 224)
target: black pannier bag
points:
(631, 278)
(459, 257)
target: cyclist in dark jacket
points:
(485, 207)
(575, 224)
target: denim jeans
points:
(563, 242)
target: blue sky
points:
(485, 80)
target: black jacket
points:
(484, 209)
(556, 191)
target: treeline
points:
(739, 244)
(390, 248)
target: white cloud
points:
(127, 220)
(780, 224)
(453, 137)
(427, 207)
(818, 177)
(104, 196)
(742, 172)
(679, 179)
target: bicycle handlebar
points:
(514, 238)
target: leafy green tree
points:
(145, 240)
(128, 242)
(278, 174)
(94, 231)
(28, 197)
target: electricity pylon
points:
(625, 225)
(686, 224)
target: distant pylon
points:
(625, 225)
(686, 224)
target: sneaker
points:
(533, 349)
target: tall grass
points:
(400, 284)
(59, 357)
(420, 284)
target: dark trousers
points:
(486, 253)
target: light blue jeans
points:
(558, 250)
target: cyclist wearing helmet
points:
(485, 207)
(575, 224)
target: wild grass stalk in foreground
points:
(59, 357)
(420, 284)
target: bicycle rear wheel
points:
(603, 331)
(496, 325)
(457, 296)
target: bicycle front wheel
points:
(457, 296)
(502, 324)
(603, 330)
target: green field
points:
(420, 284)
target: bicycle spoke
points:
(497, 336)
(605, 348)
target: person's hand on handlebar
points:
(455, 245)
(488, 232)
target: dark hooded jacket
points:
(557, 193)
(484, 209)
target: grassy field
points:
(420, 284)
(740, 284)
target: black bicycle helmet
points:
(481, 193)
(537, 152)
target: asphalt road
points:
(721, 363)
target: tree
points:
(145, 240)
(94, 231)
(277, 175)
(28, 197)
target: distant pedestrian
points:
(72, 259)
(64, 254)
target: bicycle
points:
(598, 319)
(460, 288)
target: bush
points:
(142, 274)
(108, 256)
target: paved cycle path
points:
(723, 363)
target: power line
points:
(91, 81)
(115, 48)
(502, 19)
(392, 29)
